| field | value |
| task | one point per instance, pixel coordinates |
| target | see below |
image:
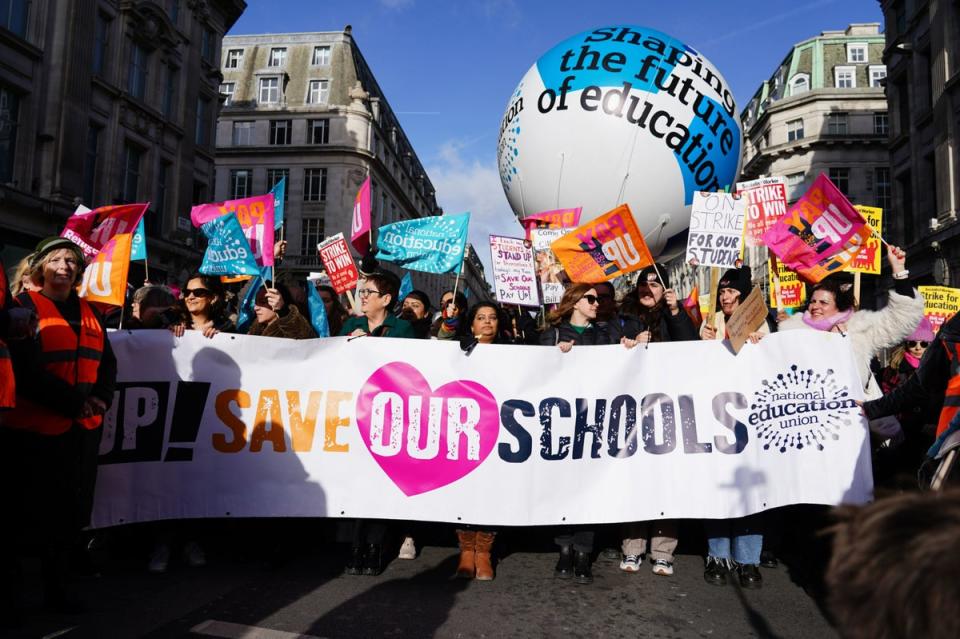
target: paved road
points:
(306, 596)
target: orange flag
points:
(105, 278)
(604, 248)
(692, 306)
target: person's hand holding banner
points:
(604, 248)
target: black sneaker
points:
(373, 561)
(581, 568)
(750, 576)
(355, 562)
(564, 567)
(716, 571)
(768, 559)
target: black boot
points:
(750, 576)
(581, 568)
(373, 562)
(768, 559)
(355, 562)
(564, 567)
(716, 571)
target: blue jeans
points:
(738, 539)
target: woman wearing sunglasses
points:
(205, 302)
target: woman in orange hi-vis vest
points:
(65, 373)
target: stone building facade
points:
(107, 102)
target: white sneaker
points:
(193, 555)
(631, 563)
(662, 567)
(408, 549)
(159, 559)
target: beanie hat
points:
(739, 279)
(51, 244)
(923, 332)
(650, 274)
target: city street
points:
(306, 596)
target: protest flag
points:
(318, 312)
(692, 306)
(279, 192)
(604, 248)
(434, 244)
(105, 278)
(228, 252)
(91, 230)
(557, 219)
(256, 217)
(820, 234)
(245, 313)
(406, 286)
(138, 251)
(360, 227)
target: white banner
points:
(241, 426)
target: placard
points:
(716, 229)
(514, 274)
(339, 264)
(868, 259)
(747, 318)
(940, 303)
(793, 292)
(766, 202)
(548, 266)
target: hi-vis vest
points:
(7, 384)
(73, 359)
(951, 400)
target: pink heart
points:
(395, 411)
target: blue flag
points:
(432, 244)
(318, 312)
(138, 248)
(279, 190)
(246, 314)
(406, 285)
(228, 252)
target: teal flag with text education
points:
(434, 244)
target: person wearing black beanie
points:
(734, 287)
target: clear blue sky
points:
(447, 67)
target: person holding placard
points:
(734, 287)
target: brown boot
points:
(467, 567)
(484, 545)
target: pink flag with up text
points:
(91, 230)
(256, 219)
(361, 225)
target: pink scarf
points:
(827, 323)
(913, 361)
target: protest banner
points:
(819, 234)
(318, 312)
(557, 219)
(413, 430)
(338, 262)
(793, 292)
(360, 225)
(606, 247)
(514, 273)
(279, 192)
(105, 278)
(433, 244)
(867, 260)
(716, 229)
(548, 266)
(747, 318)
(939, 304)
(406, 286)
(228, 252)
(256, 217)
(766, 202)
(138, 248)
(91, 230)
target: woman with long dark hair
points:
(336, 313)
(204, 299)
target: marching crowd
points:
(60, 373)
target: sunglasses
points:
(196, 292)
(914, 343)
(591, 299)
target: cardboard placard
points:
(747, 318)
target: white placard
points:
(514, 274)
(716, 229)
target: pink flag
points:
(820, 233)
(256, 218)
(91, 230)
(557, 219)
(360, 227)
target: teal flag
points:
(246, 314)
(279, 190)
(138, 249)
(228, 252)
(318, 312)
(433, 244)
(406, 285)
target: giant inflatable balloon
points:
(620, 114)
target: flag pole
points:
(146, 269)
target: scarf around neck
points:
(826, 323)
(913, 361)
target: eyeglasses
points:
(367, 292)
(196, 292)
(591, 299)
(911, 343)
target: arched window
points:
(800, 83)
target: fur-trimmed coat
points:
(293, 325)
(870, 331)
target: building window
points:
(240, 183)
(280, 131)
(314, 185)
(269, 90)
(877, 75)
(137, 72)
(131, 172)
(845, 77)
(154, 223)
(13, 16)
(227, 89)
(799, 84)
(101, 39)
(273, 178)
(278, 57)
(318, 131)
(841, 178)
(836, 124)
(90, 152)
(169, 91)
(795, 179)
(881, 176)
(311, 234)
(321, 56)
(794, 130)
(234, 59)
(202, 137)
(243, 133)
(881, 123)
(857, 53)
(318, 92)
(206, 45)
(9, 119)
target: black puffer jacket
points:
(595, 333)
(673, 328)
